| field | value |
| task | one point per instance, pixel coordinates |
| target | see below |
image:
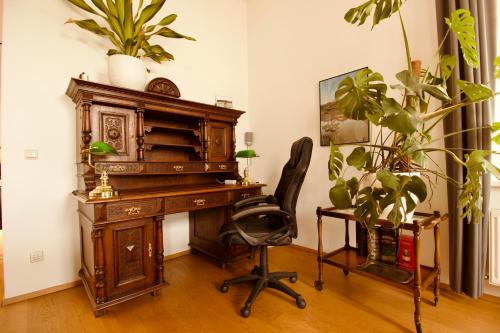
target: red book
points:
(406, 257)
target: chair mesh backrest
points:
(292, 176)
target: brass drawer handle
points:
(133, 211)
(116, 168)
(200, 202)
(246, 195)
(222, 166)
(178, 168)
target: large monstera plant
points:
(129, 32)
(404, 142)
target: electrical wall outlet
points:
(31, 154)
(36, 256)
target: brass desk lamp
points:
(248, 154)
(104, 190)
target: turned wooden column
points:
(417, 279)
(233, 139)
(140, 134)
(158, 232)
(99, 266)
(206, 140)
(86, 133)
(318, 284)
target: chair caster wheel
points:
(292, 279)
(245, 311)
(255, 270)
(318, 285)
(301, 302)
(419, 328)
(346, 272)
(435, 301)
(224, 288)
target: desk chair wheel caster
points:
(224, 288)
(292, 279)
(255, 270)
(318, 285)
(245, 311)
(346, 272)
(419, 328)
(301, 302)
(435, 301)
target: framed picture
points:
(333, 124)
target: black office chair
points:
(270, 220)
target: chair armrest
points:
(270, 199)
(261, 210)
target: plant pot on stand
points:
(127, 72)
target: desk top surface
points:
(168, 191)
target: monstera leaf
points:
(412, 86)
(471, 198)
(101, 148)
(367, 205)
(447, 63)
(397, 188)
(335, 163)
(462, 24)
(404, 121)
(360, 159)
(474, 91)
(495, 128)
(354, 96)
(383, 9)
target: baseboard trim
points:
(303, 248)
(177, 255)
(69, 285)
(43, 292)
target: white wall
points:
(293, 45)
(40, 54)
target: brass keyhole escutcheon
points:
(113, 133)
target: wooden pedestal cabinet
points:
(173, 156)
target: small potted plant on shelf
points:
(130, 35)
(397, 160)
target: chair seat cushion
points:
(255, 227)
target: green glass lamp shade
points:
(101, 148)
(248, 153)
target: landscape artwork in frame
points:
(333, 124)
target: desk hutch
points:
(172, 156)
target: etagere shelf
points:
(347, 259)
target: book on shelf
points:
(406, 255)
(388, 245)
(361, 240)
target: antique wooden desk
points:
(172, 157)
(347, 259)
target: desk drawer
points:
(222, 166)
(193, 202)
(244, 194)
(133, 209)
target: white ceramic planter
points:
(126, 71)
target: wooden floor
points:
(192, 303)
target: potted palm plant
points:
(398, 158)
(130, 34)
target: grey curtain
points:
(469, 242)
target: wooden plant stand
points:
(347, 259)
